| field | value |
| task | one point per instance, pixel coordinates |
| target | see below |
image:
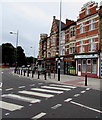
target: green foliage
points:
(8, 54)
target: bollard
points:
(38, 74)
(85, 80)
(21, 72)
(28, 73)
(32, 73)
(49, 75)
(24, 72)
(45, 75)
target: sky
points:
(33, 17)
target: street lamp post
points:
(59, 60)
(16, 64)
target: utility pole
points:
(59, 61)
(16, 63)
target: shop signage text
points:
(86, 56)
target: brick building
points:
(80, 44)
(87, 41)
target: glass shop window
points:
(88, 65)
(94, 66)
(84, 66)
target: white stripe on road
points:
(0, 89)
(83, 91)
(36, 94)
(9, 89)
(67, 100)
(0, 84)
(87, 88)
(38, 116)
(85, 106)
(62, 86)
(9, 106)
(55, 88)
(76, 95)
(40, 83)
(56, 106)
(21, 87)
(22, 98)
(46, 90)
(32, 85)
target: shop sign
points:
(86, 56)
(68, 59)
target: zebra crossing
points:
(32, 96)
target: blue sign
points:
(101, 69)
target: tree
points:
(8, 54)
(21, 59)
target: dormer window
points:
(87, 11)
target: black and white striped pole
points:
(58, 69)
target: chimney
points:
(54, 17)
(68, 22)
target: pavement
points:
(94, 83)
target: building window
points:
(92, 45)
(87, 11)
(53, 39)
(72, 48)
(88, 65)
(81, 28)
(81, 46)
(84, 66)
(92, 24)
(94, 66)
(72, 32)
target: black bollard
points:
(85, 80)
(28, 73)
(38, 74)
(24, 72)
(21, 72)
(32, 73)
(45, 75)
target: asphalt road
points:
(30, 98)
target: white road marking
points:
(9, 106)
(56, 106)
(0, 84)
(40, 83)
(38, 116)
(46, 90)
(21, 87)
(9, 89)
(83, 91)
(76, 95)
(62, 86)
(7, 113)
(85, 106)
(67, 100)
(56, 88)
(32, 85)
(22, 98)
(0, 89)
(36, 94)
(2, 72)
(87, 88)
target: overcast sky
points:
(33, 17)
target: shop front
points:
(87, 65)
(69, 65)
